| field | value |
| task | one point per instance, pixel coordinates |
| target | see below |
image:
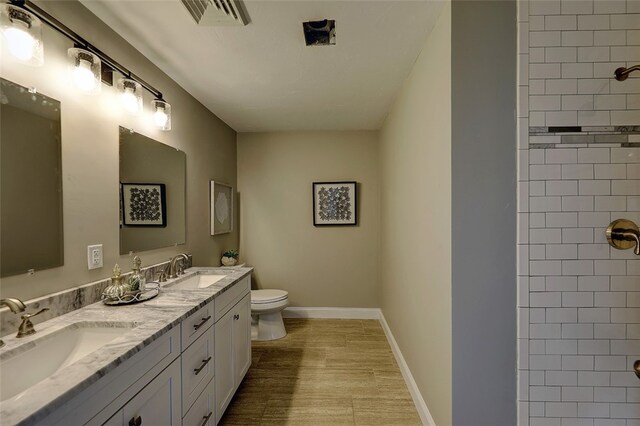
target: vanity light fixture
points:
(162, 114)
(85, 68)
(20, 23)
(130, 95)
(22, 31)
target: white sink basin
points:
(20, 370)
(197, 281)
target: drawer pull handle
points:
(135, 421)
(204, 364)
(197, 326)
(236, 317)
(206, 418)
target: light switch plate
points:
(94, 256)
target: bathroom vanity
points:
(175, 360)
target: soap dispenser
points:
(117, 289)
(136, 280)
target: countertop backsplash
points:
(68, 300)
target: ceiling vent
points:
(320, 33)
(216, 12)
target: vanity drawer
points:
(202, 412)
(229, 298)
(195, 325)
(197, 368)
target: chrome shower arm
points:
(622, 73)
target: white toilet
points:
(266, 314)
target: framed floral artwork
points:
(221, 199)
(143, 204)
(334, 204)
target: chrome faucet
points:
(26, 327)
(15, 305)
(173, 264)
(162, 276)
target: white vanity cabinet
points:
(232, 346)
(185, 377)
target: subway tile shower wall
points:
(578, 169)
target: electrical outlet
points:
(94, 256)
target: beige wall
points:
(415, 240)
(323, 266)
(90, 156)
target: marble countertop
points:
(151, 319)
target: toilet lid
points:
(268, 296)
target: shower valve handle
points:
(623, 234)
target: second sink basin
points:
(196, 282)
(22, 369)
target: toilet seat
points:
(268, 296)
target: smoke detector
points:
(216, 12)
(320, 33)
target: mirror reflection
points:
(152, 193)
(31, 233)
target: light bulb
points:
(20, 43)
(22, 34)
(84, 68)
(83, 76)
(161, 114)
(130, 101)
(160, 117)
(130, 95)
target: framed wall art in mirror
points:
(31, 222)
(143, 204)
(221, 198)
(153, 193)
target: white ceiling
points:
(262, 77)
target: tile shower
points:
(579, 169)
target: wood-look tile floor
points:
(324, 372)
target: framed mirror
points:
(31, 222)
(152, 193)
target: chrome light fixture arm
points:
(80, 41)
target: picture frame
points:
(143, 204)
(335, 203)
(221, 202)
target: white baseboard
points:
(371, 313)
(337, 313)
(421, 406)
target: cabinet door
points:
(202, 411)
(223, 361)
(158, 403)
(242, 339)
